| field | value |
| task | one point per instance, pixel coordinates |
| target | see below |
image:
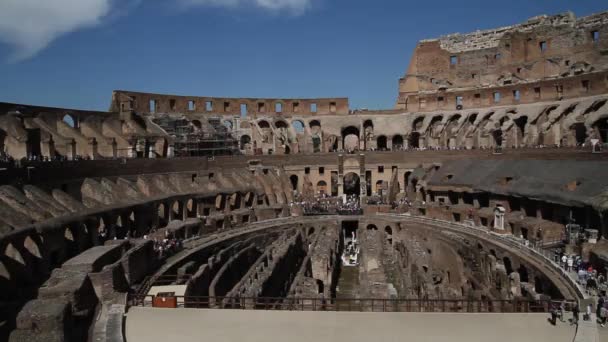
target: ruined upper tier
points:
(544, 58)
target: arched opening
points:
(294, 182)
(380, 187)
(249, 198)
(350, 138)
(245, 141)
(32, 247)
(523, 273)
(316, 135)
(162, 211)
(397, 142)
(507, 262)
(414, 140)
(580, 132)
(191, 208)
(406, 180)
(70, 121)
(381, 143)
(197, 124)
(314, 123)
(219, 202)
(538, 285)
(322, 187)
(601, 128)
(281, 124)
(520, 123)
(417, 124)
(228, 125)
(389, 234)
(352, 185)
(263, 124)
(371, 227)
(298, 126)
(497, 135)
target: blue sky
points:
(73, 53)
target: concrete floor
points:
(185, 325)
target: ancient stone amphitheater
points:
(187, 218)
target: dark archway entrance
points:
(382, 143)
(352, 185)
(414, 140)
(294, 182)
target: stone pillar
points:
(114, 148)
(340, 175)
(72, 150)
(183, 210)
(171, 151)
(152, 151)
(51, 147)
(93, 147)
(362, 178)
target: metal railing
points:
(350, 304)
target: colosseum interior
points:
(206, 211)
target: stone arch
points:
(352, 184)
(406, 180)
(14, 254)
(32, 247)
(249, 198)
(414, 140)
(379, 186)
(579, 132)
(322, 187)
(162, 211)
(220, 203)
(298, 126)
(70, 238)
(70, 120)
(244, 141)
(397, 142)
(197, 124)
(235, 201)
(294, 182)
(281, 124)
(417, 124)
(600, 127)
(263, 124)
(191, 207)
(350, 138)
(381, 142)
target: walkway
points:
(194, 325)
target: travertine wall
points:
(545, 58)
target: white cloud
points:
(31, 25)
(294, 6)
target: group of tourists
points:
(324, 205)
(349, 207)
(167, 246)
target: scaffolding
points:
(194, 138)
